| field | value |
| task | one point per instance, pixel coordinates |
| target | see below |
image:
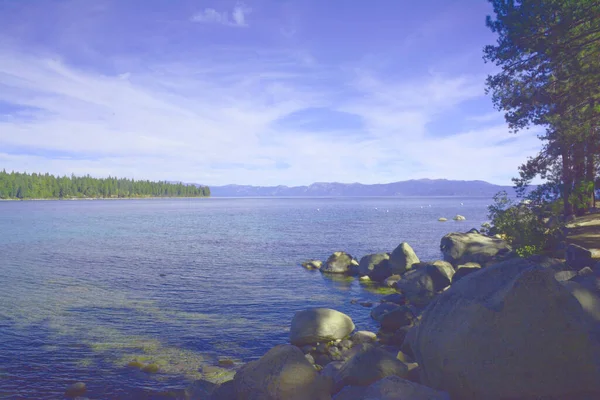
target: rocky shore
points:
(480, 324)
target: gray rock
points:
(319, 325)
(337, 263)
(461, 248)
(382, 309)
(396, 319)
(312, 264)
(308, 348)
(200, 389)
(402, 259)
(369, 262)
(508, 331)
(363, 337)
(396, 298)
(322, 359)
(310, 358)
(394, 387)
(225, 391)
(442, 219)
(563, 276)
(283, 373)
(423, 283)
(459, 217)
(76, 389)
(464, 270)
(346, 344)
(390, 281)
(578, 257)
(473, 230)
(369, 365)
(353, 268)
(351, 393)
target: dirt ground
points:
(585, 231)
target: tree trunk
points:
(567, 180)
(579, 177)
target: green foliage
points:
(17, 185)
(521, 224)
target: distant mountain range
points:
(420, 187)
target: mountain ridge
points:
(408, 188)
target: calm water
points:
(81, 291)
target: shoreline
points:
(109, 198)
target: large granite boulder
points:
(509, 331)
(283, 373)
(402, 259)
(371, 261)
(461, 248)
(319, 325)
(339, 262)
(370, 364)
(421, 284)
(394, 388)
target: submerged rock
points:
(319, 325)
(508, 331)
(76, 390)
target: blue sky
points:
(263, 92)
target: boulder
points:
(353, 268)
(368, 365)
(464, 270)
(396, 298)
(459, 217)
(461, 248)
(396, 319)
(319, 325)
(378, 312)
(390, 281)
(338, 263)
(402, 259)
(509, 331)
(225, 391)
(442, 219)
(351, 393)
(369, 262)
(473, 230)
(394, 387)
(424, 281)
(363, 337)
(312, 264)
(283, 373)
(578, 257)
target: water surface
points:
(88, 286)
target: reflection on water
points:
(95, 291)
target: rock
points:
(75, 390)
(464, 270)
(322, 359)
(409, 337)
(442, 219)
(461, 248)
(395, 298)
(321, 348)
(402, 259)
(200, 389)
(308, 348)
(352, 393)
(319, 325)
(563, 276)
(508, 331)
(225, 362)
(312, 264)
(397, 338)
(331, 370)
(390, 281)
(396, 319)
(378, 312)
(337, 263)
(282, 373)
(369, 365)
(585, 271)
(394, 387)
(225, 391)
(310, 358)
(405, 358)
(376, 266)
(474, 230)
(364, 278)
(366, 304)
(150, 368)
(334, 353)
(345, 344)
(422, 284)
(459, 217)
(363, 337)
(353, 268)
(578, 257)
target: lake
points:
(88, 286)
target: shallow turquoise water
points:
(81, 291)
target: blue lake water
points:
(81, 291)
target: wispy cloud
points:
(236, 18)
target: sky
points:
(264, 92)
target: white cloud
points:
(237, 18)
(213, 122)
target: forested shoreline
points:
(20, 186)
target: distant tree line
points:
(17, 185)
